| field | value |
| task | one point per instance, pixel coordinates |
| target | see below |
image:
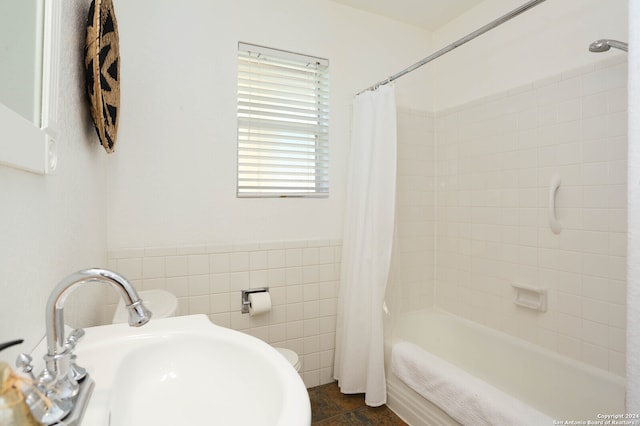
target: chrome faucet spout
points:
(66, 385)
(138, 313)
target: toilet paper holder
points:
(245, 297)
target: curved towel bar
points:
(555, 226)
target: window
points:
(283, 124)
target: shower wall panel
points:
(414, 256)
(495, 160)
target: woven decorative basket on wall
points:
(102, 71)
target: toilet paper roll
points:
(259, 303)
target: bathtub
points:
(554, 386)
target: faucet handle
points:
(72, 339)
(24, 362)
(77, 373)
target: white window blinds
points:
(283, 124)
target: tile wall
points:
(495, 160)
(302, 277)
(412, 277)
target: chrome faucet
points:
(66, 387)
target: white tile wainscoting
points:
(302, 277)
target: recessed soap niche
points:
(530, 297)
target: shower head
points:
(603, 45)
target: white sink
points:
(188, 371)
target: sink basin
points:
(188, 371)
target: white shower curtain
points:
(366, 246)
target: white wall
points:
(549, 38)
(633, 266)
(53, 225)
(172, 181)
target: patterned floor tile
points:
(331, 407)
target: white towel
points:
(464, 397)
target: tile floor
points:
(330, 407)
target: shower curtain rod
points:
(491, 25)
